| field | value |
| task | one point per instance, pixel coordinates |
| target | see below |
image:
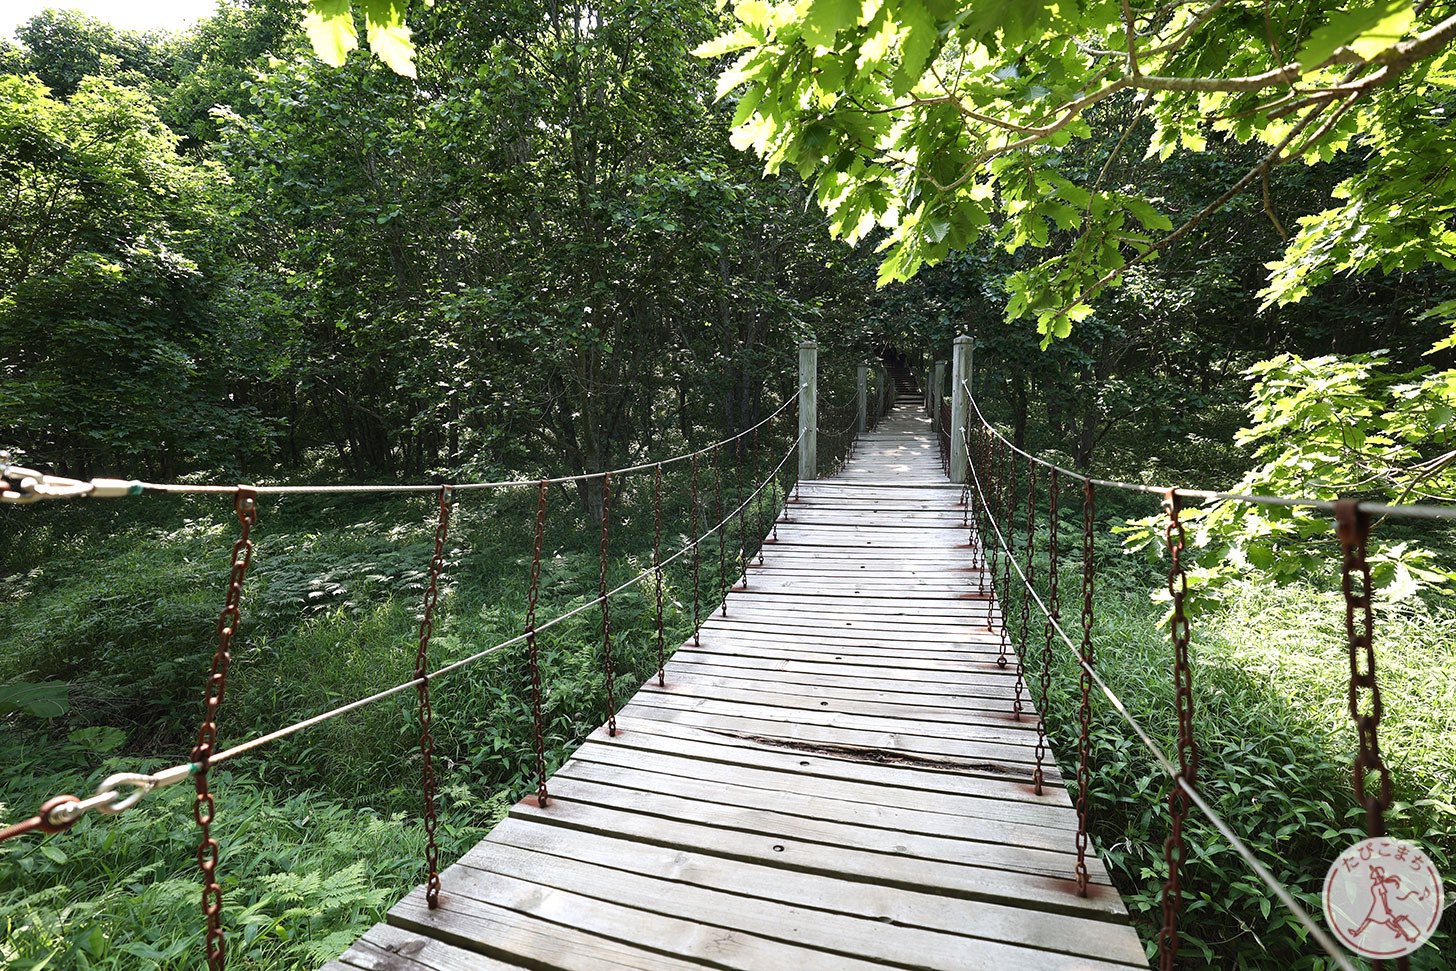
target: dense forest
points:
(521, 239)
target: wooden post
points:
(808, 410)
(937, 391)
(882, 382)
(862, 397)
(960, 405)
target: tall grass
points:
(320, 832)
(1272, 722)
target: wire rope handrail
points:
(21, 485)
(1269, 880)
(1410, 510)
(62, 812)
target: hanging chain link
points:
(722, 530)
(422, 672)
(533, 595)
(657, 571)
(761, 527)
(204, 808)
(1084, 709)
(988, 513)
(1008, 506)
(1174, 849)
(1353, 525)
(1029, 572)
(606, 610)
(697, 556)
(738, 447)
(1054, 614)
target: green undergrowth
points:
(1271, 718)
(112, 609)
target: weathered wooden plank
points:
(849, 935)
(919, 781)
(832, 779)
(960, 879)
(386, 948)
(885, 906)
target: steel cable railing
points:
(1173, 770)
(22, 485)
(110, 799)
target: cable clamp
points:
(21, 486)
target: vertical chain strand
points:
(204, 808)
(606, 607)
(722, 530)
(1007, 511)
(1029, 573)
(693, 517)
(738, 501)
(533, 595)
(988, 513)
(1353, 525)
(657, 570)
(426, 713)
(1174, 849)
(760, 527)
(1054, 614)
(1084, 709)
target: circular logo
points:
(1382, 897)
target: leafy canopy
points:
(944, 122)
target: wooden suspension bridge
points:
(841, 769)
(833, 777)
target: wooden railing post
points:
(808, 410)
(862, 397)
(965, 347)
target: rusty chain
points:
(1174, 849)
(1007, 507)
(993, 456)
(1084, 709)
(1054, 614)
(1353, 526)
(657, 571)
(760, 528)
(742, 511)
(606, 609)
(422, 674)
(204, 807)
(722, 531)
(533, 596)
(697, 557)
(1029, 575)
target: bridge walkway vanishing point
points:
(833, 779)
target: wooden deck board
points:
(832, 779)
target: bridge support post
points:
(808, 410)
(862, 397)
(965, 349)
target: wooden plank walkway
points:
(831, 780)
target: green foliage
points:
(948, 125)
(109, 270)
(1273, 726)
(1326, 428)
(331, 30)
(321, 833)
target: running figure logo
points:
(1383, 898)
